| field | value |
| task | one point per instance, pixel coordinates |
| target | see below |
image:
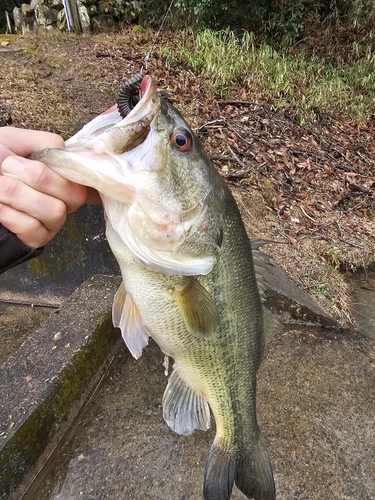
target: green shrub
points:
(217, 14)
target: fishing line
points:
(145, 67)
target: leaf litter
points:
(309, 189)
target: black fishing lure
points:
(129, 95)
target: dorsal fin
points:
(125, 315)
(184, 409)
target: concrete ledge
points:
(51, 370)
(286, 300)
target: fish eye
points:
(181, 139)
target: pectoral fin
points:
(184, 409)
(197, 307)
(126, 316)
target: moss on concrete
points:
(28, 443)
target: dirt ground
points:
(309, 189)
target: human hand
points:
(34, 200)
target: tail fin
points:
(254, 475)
(251, 470)
(219, 474)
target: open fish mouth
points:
(123, 126)
(96, 155)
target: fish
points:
(188, 278)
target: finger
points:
(29, 230)
(23, 142)
(50, 211)
(41, 178)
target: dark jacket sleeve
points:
(13, 251)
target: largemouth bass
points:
(188, 275)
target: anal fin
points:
(184, 409)
(125, 315)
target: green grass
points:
(320, 289)
(31, 50)
(310, 86)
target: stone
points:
(92, 10)
(17, 18)
(54, 4)
(84, 17)
(26, 10)
(131, 11)
(100, 15)
(108, 7)
(44, 15)
(22, 25)
(61, 20)
(104, 23)
(89, 2)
